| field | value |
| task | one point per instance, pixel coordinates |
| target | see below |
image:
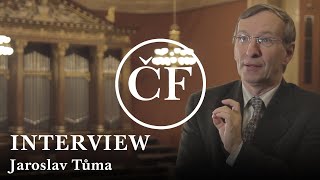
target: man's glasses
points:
(265, 41)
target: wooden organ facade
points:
(60, 78)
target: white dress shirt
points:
(248, 113)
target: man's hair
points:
(289, 34)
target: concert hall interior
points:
(60, 78)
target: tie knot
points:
(257, 103)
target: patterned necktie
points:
(258, 107)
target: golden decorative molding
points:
(5, 73)
(111, 11)
(99, 129)
(16, 130)
(118, 40)
(59, 129)
(109, 74)
(39, 73)
(61, 49)
(148, 6)
(100, 50)
(50, 13)
(20, 45)
(85, 75)
(56, 21)
(54, 36)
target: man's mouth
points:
(252, 66)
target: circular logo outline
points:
(150, 126)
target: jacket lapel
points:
(234, 93)
(275, 121)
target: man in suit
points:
(260, 125)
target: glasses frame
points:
(259, 40)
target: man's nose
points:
(253, 49)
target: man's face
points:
(256, 63)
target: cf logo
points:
(172, 83)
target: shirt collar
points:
(266, 97)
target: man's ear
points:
(289, 52)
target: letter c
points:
(133, 86)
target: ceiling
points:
(147, 6)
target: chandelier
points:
(5, 48)
(173, 55)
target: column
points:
(97, 96)
(59, 87)
(16, 89)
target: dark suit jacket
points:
(286, 142)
